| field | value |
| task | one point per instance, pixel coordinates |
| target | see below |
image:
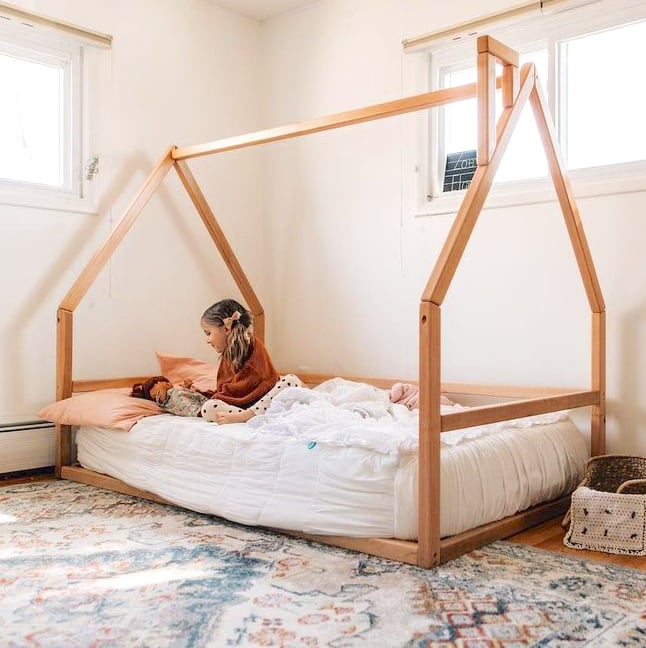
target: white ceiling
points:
(261, 9)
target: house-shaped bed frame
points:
(518, 86)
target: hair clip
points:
(228, 321)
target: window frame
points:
(76, 193)
(544, 31)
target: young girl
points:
(181, 401)
(247, 380)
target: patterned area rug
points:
(80, 566)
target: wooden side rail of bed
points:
(528, 401)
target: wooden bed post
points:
(486, 65)
(430, 388)
(64, 338)
(491, 51)
(217, 235)
(598, 422)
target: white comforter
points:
(339, 459)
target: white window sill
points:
(46, 199)
(586, 183)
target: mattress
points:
(340, 459)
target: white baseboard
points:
(27, 449)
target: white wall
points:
(178, 73)
(324, 226)
(349, 259)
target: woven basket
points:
(616, 474)
(608, 511)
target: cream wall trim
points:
(86, 35)
(503, 18)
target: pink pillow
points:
(177, 368)
(109, 408)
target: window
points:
(589, 62)
(35, 116)
(603, 95)
(43, 134)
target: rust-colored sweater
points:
(251, 382)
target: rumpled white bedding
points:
(340, 459)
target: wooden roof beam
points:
(338, 120)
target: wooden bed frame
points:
(518, 87)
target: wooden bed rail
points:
(81, 386)
(423, 101)
(312, 379)
(531, 400)
(485, 414)
(471, 389)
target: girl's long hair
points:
(240, 339)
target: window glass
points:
(604, 97)
(31, 121)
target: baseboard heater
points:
(26, 445)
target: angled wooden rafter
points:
(217, 235)
(518, 88)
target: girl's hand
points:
(187, 383)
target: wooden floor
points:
(548, 536)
